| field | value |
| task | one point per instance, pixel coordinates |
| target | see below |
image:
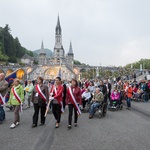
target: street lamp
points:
(93, 72)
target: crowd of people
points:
(80, 96)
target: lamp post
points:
(93, 72)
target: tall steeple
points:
(58, 27)
(59, 52)
(42, 48)
(70, 49)
(42, 55)
(70, 56)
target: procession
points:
(75, 97)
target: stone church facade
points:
(60, 64)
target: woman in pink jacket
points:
(115, 95)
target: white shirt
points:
(87, 95)
(91, 88)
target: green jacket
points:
(30, 89)
(99, 97)
(20, 92)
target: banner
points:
(11, 76)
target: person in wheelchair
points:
(115, 97)
(85, 98)
(96, 102)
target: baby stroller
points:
(115, 103)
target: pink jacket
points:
(114, 96)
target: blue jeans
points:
(145, 96)
(93, 107)
(128, 102)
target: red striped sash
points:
(40, 93)
(2, 99)
(17, 97)
(74, 102)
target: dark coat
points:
(3, 87)
(37, 99)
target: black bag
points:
(2, 113)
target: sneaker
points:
(34, 125)
(75, 124)
(17, 123)
(57, 125)
(12, 126)
(69, 127)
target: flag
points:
(59, 73)
(11, 76)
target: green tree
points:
(12, 59)
(11, 47)
(76, 62)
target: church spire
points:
(70, 49)
(42, 48)
(58, 27)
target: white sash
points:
(17, 97)
(74, 102)
(40, 92)
(55, 90)
(2, 99)
(60, 103)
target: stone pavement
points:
(119, 130)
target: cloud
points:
(102, 31)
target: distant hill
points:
(48, 52)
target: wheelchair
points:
(116, 105)
(102, 110)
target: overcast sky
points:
(106, 32)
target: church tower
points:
(42, 55)
(70, 56)
(59, 52)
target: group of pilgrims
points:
(56, 95)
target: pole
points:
(93, 72)
(47, 108)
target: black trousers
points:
(109, 96)
(71, 107)
(56, 109)
(37, 108)
(84, 102)
(64, 102)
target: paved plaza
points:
(118, 130)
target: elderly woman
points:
(16, 100)
(96, 101)
(115, 97)
(39, 98)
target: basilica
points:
(59, 64)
